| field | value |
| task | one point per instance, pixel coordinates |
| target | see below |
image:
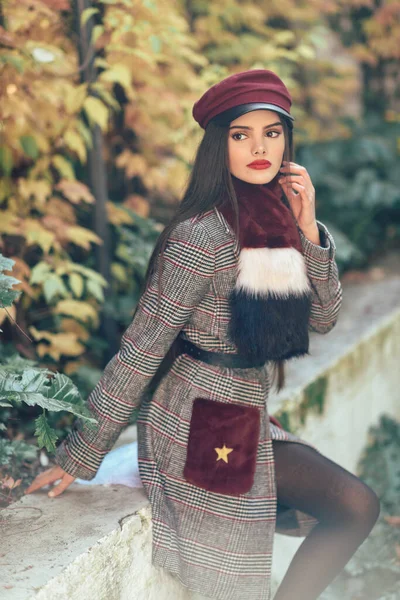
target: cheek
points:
(236, 153)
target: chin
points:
(257, 176)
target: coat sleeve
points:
(323, 275)
(189, 263)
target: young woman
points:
(237, 280)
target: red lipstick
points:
(259, 164)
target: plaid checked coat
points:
(215, 544)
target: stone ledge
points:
(95, 541)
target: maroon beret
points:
(241, 93)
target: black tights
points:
(346, 509)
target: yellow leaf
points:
(42, 142)
(82, 311)
(71, 326)
(40, 189)
(75, 191)
(106, 96)
(145, 57)
(98, 30)
(75, 143)
(119, 74)
(119, 272)
(9, 222)
(82, 237)
(58, 207)
(134, 164)
(65, 344)
(76, 284)
(10, 313)
(63, 166)
(306, 52)
(36, 234)
(72, 366)
(74, 98)
(96, 111)
(117, 215)
(85, 16)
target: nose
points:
(260, 147)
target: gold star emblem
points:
(223, 453)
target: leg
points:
(345, 507)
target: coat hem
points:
(158, 562)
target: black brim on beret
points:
(237, 111)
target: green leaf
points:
(29, 146)
(40, 272)
(32, 388)
(6, 264)
(7, 294)
(6, 160)
(85, 133)
(15, 61)
(54, 286)
(90, 274)
(46, 436)
(155, 43)
(95, 289)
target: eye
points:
(268, 132)
(277, 133)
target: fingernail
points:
(51, 494)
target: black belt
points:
(219, 359)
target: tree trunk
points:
(97, 179)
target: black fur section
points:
(269, 328)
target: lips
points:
(259, 164)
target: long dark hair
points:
(208, 183)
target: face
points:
(257, 135)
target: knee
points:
(362, 506)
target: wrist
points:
(312, 234)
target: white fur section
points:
(275, 271)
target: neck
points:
(264, 219)
(245, 188)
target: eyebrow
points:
(246, 127)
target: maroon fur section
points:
(212, 425)
(264, 220)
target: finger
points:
(62, 486)
(300, 189)
(286, 163)
(293, 178)
(288, 189)
(297, 171)
(45, 478)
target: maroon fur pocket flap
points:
(222, 446)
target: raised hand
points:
(299, 190)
